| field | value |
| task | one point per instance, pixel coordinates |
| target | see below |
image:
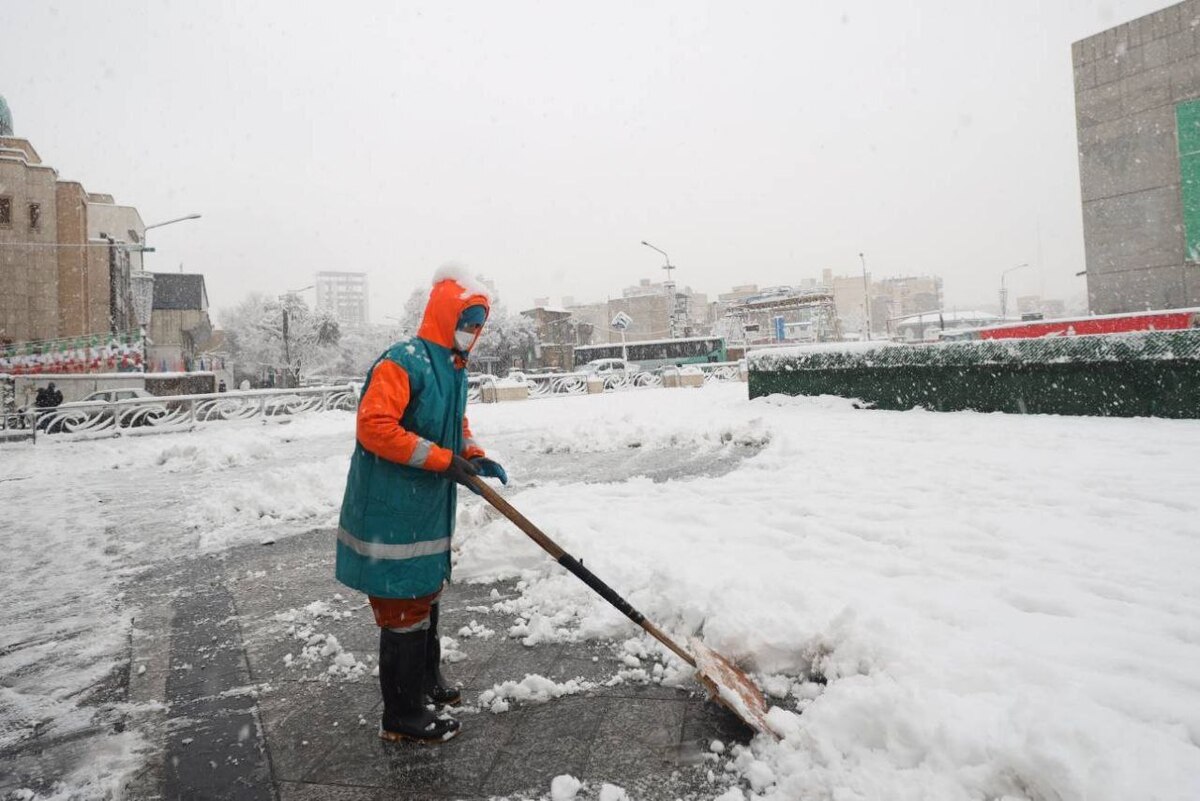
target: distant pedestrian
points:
(220, 386)
(413, 445)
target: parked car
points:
(98, 406)
(609, 366)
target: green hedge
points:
(1153, 373)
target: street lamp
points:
(1004, 289)
(160, 225)
(866, 298)
(670, 286)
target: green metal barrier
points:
(1152, 373)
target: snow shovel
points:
(725, 683)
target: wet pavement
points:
(259, 702)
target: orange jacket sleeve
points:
(379, 429)
(471, 448)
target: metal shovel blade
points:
(730, 687)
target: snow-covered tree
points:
(507, 341)
(281, 334)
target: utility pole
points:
(866, 298)
(1004, 290)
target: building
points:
(1137, 111)
(180, 327)
(344, 296)
(1045, 308)
(649, 305)
(778, 314)
(67, 257)
(29, 268)
(908, 295)
(558, 333)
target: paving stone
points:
(550, 739)
(307, 791)
(454, 768)
(299, 719)
(638, 737)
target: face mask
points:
(464, 340)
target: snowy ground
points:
(961, 605)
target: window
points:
(5, 211)
(35, 216)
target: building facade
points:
(1137, 110)
(67, 257)
(344, 296)
(180, 327)
(28, 244)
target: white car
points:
(609, 366)
(97, 405)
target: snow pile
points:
(532, 689)
(617, 422)
(963, 605)
(320, 649)
(477, 630)
(564, 787)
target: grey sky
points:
(540, 142)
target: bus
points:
(655, 353)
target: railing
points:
(87, 419)
(723, 371)
(552, 384)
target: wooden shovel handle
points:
(575, 566)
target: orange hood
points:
(446, 302)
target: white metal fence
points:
(553, 384)
(93, 419)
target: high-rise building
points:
(344, 296)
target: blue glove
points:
(490, 469)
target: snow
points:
(940, 606)
(967, 605)
(462, 276)
(564, 787)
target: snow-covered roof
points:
(949, 316)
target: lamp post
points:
(1004, 289)
(160, 225)
(670, 285)
(866, 298)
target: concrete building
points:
(344, 295)
(1137, 110)
(650, 306)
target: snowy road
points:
(961, 605)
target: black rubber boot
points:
(437, 689)
(401, 669)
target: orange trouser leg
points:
(403, 615)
